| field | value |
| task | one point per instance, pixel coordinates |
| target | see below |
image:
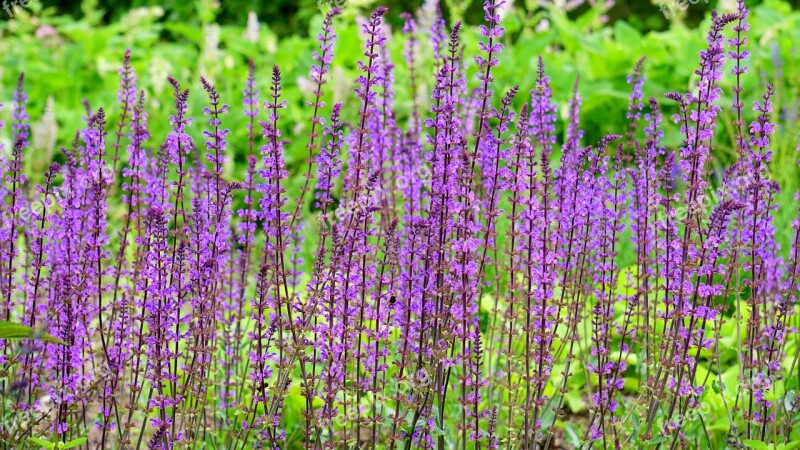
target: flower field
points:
(438, 241)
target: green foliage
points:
(10, 330)
(758, 445)
(58, 445)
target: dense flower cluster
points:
(467, 286)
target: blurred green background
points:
(287, 17)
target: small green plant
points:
(759, 445)
(11, 330)
(44, 443)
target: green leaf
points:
(758, 445)
(791, 383)
(572, 436)
(73, 443)
(789, 399)
(549, 415)
(11, 330)
(41, 442)
(657, 440)
(627, 35)
(575, 401)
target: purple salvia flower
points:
(133, 174)
(35, 284)
(519, 157)
(273, 291)
(159, 301)
(74, 303)
(273, 170)
(410, 53)
(220, 190)
(493, 32)
(740, 57)
(698, 125)
(643, 210)
(2, 146)
(251, 105)
(177, 145)
(209, 231)
(438, 32)
(367, 82)
(697, 119)
(543, 111)
(426, 280)
(574, 132)
(329, 165)
(607, 228)
(495, 175)
(20, 127)
(384, 133)
(249, 215)
(635, 104)
(14, 181)
(216, 138)
(328, 170)
(98, 178)
(319, 71)
(127, 100)
(537, 227)
(760, 260)
(248, 220)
